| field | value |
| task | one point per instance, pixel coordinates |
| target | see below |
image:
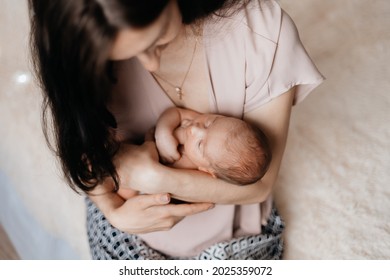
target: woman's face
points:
(147, 43)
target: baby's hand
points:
(167, 146)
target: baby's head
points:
(228, 148)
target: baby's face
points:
(205, 138)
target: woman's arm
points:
(141, 213)
(273, 118)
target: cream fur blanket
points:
(332, 191)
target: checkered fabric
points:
(109, 243)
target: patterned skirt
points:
(109, 243)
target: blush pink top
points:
(252, 57)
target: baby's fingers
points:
(171, 157)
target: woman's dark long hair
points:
(70, 43)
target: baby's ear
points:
(207, 170)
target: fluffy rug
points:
(332, 191)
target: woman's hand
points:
(141, 213)
(139, 169)
(148, 213)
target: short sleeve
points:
(291, 67)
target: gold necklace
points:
(179, 88)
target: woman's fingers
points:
(185, 209)
(178, 210)
(171, 214)
(152, 212)
(150, 200)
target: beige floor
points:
(333, 190)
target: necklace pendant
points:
(179, 92)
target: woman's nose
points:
(150, 59)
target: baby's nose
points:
(197, 130)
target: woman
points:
(110, 68)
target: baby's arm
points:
(166, 142)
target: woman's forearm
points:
(197, 186)
(105, 199)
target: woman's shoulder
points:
(263, 18)
(257, 18)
